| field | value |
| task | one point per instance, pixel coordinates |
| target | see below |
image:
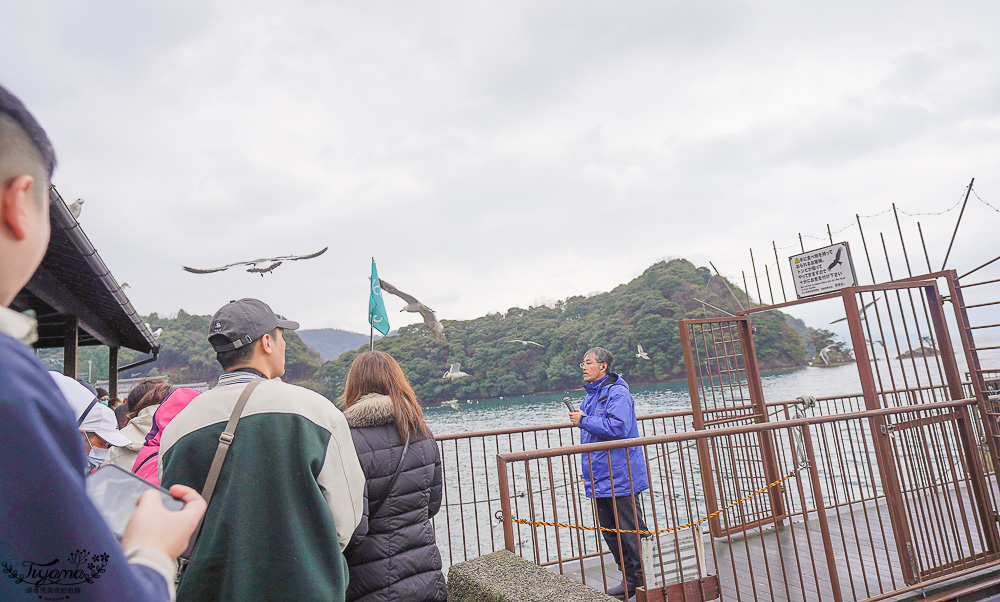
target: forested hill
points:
(645, 310)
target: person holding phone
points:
(46, 515)
(398, 559)
(607, 413)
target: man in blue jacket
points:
(608, 414)
(53, 543)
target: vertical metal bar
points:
(781, 280)
(923, 244)
(902, 242)
(828, 233)
(760, 299)
(864, 243)
(978, 485)
(883, 453)
(944, 263)
(801, 245)
(71, 337)
(746, 289)
(769, 290)
(824, 527)
(113, 372)
(508, 526)
(987, 409)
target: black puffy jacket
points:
(398, 559)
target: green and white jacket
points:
(289, 497)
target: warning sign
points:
(823, 270)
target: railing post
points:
(824, 525)
(508, 526)
(883, 448)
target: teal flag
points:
(376, 307)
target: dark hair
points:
(155, 396)
(601, 356)
(139, 391)
(102, 392)
(378, 372)
(121, 414)
(234, 358)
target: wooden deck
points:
(789, 562)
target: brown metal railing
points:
(466, 526)
(835, 538)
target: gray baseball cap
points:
(242, 322)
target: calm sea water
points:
(547, 408)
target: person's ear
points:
(16, 205)
(267, 344)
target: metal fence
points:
(851, 526)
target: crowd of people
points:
(284, 496)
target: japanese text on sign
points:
(823, 270)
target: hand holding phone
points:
(115, 491)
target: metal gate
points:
(724, 383)
(927, 465)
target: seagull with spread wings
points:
(642, 354)
(258, 266)
(454, 372)
(526, 343)
(412, 305)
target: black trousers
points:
(627, 520)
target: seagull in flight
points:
(412, 305)
(526, 343)
(641, 353)
(836, 260)
(258, 266)
(454, 372)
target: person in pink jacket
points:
(146, 463)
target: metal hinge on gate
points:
(888, 429)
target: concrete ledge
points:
(504, 577)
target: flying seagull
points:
(76, 207)
(256, 266)
(451, 403)
(412, 305)
(641, 353)
(526, 343)
(836, 260)
(454, 372)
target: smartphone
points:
(115, 492)
(569, 404)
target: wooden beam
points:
(113, 372)
(49, 289)
(72, 331)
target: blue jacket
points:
(610, 415)
(47, 522)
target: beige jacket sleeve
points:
(343, 481)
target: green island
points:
(644, 311)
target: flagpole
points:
(371, 327)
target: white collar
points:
(19, 326)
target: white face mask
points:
(98, 455)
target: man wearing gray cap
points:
(290, 492)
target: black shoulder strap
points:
(148, 458)
(79, 420)
(372, 510)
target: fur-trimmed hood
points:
(373, 409)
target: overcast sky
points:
(492, 155)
